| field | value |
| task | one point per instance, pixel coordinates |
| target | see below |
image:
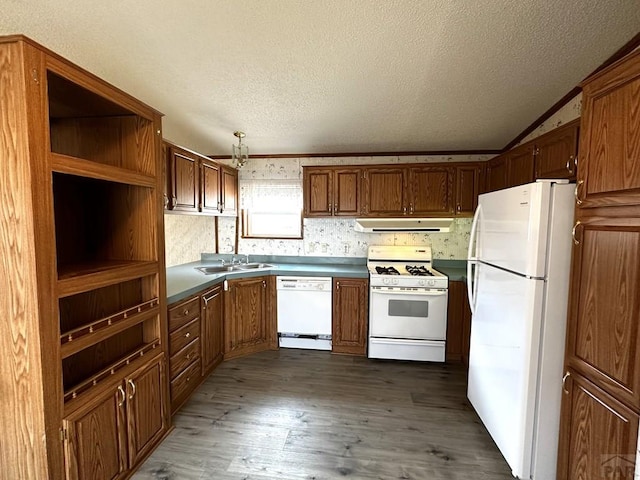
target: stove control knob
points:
(395, 281)
(386, 281)
(431, 283)
(421, 283)
(320, 286)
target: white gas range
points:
(407, 304)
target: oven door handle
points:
(422, 293)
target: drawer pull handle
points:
(133, 389)
(573, 232)
(564, 381)
(124, 395)
(576, 192)
(185, 313)
(189, 356)
(187, 335)
(188, 378)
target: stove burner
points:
(387, 271)
(419, 271)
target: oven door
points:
(415, 313)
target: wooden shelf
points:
(78, 278)
(107, 372)
(82, 337)
(90, 169)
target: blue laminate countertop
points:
(184, 280)
(456, 270)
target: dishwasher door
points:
(304, 312)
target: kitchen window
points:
(271, 208)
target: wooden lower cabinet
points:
(458, 323)
(350, 315)
(249, 325)
(212, 333)
(109, 435)
(599, 435)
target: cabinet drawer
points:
(184, 357)
(184, 383)
(181, 337)
(181, 314)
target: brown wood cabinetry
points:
(469, 184)
(350, 315)
(521, 165)
(431, 190)
(497, 173)
(198, 184)
(249, 324)
(458, 323)
(385, 191)
(601, 400)
(212, 335)
(332, 191)
(185, 344)
(599, 434)
(556, 152)
(84, 304)
(115, 430)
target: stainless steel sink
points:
(233, 268)
(252, 266)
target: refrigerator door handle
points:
(472, 261)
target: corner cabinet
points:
(249, 324)
(350, 315)
(197, 184)
(85, 332)
(601, 398)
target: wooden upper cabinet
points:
(497, 170)
(318, 192)
(521, 163)
(229, 192)
(210, 186)
(609, 159)
(468, 186)
(350, 316)
(598, 438)
(185, 179)
(431, 190)
(603, 335)
(332, 191)
(212, 335)
(385, 191)
(96, 439)
(249, 324)
(556, 152)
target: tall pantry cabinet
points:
(601, 398)
(83, 324)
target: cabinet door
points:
(521, 166)
(318, 192)
(385, 191)
(556, 153)
(211, 336)
(458, 323)
(185, 180)
(246, 325)
(603, 335)
(147, 418)
(431, 190)
(229, 189)
(609, 163)
(210, 186)
(96, 445)
(467, 189)
(350, 316)
(497, 173)
(598, 434)
(347, 192)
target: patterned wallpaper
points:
(570, 111)
(186, 236)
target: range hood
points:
(377, 225)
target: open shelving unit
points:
(85, 175)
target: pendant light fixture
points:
(240, 152)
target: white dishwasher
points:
(304, 312)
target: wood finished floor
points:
(303, 414)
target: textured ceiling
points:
(327, 76)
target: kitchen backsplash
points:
(187, 236)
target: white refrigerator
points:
(518, 272)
